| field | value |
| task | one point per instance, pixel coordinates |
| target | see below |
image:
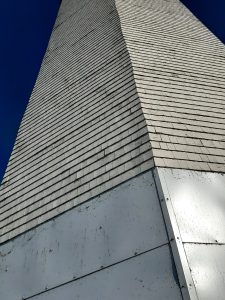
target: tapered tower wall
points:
(115, 184)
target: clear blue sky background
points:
(25, 28)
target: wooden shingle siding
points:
(179, 71)
(84, 131)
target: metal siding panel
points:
(198, 200)
(148, 276)
(198, 204)
(207, 263)
(118, 224)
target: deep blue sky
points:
(25, 27)
(211, 13)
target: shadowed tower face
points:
(115, 187)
